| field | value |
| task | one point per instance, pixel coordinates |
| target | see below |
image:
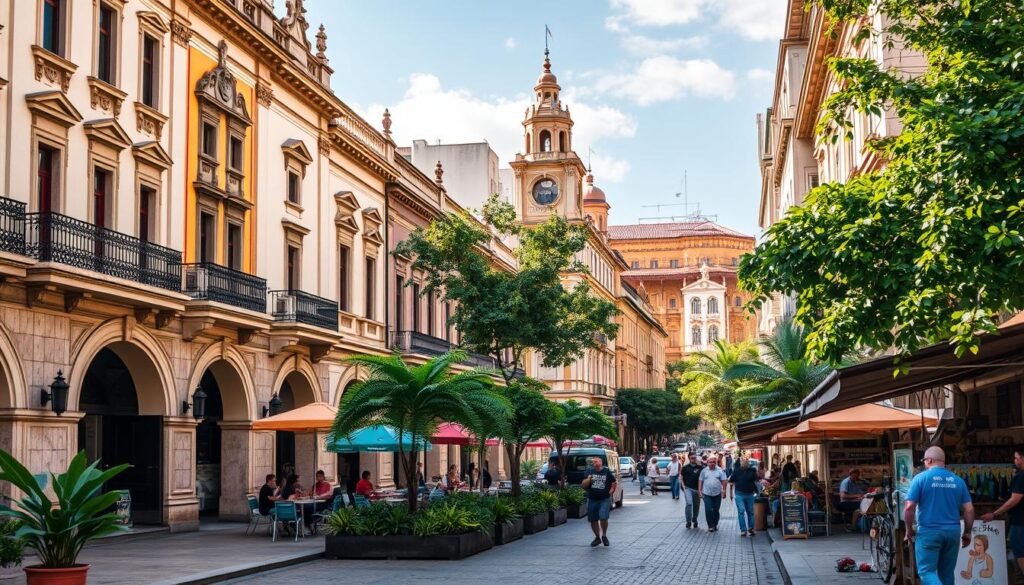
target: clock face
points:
(545, 191)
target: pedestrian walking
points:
(652, 475)
(744, 481)
(641, 472)
(691, 489)
(712, 485)
(788, 474)
(937, 496)
(600, 484)
(1014, 508)
(673, 476)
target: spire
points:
(439, 174)
(547, 80)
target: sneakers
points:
(688, 525)
(596, 541)
(750, 532)
(604, 539)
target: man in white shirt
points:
(711, 486)
(673, 476)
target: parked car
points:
(627, 467)
(578, 461)
(662, 462)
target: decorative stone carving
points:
(386, 123)
(55, 69)
(180, 32)
(321, 43)
(264, 94)
(105, 97)
(324, 144)
(295, 23)
(149, 121)
(439, 173)
(218, 87)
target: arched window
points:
(695, 335)
(739, 301)
(713, 306)
(545, 141)
(712, 333)
(562, 143)
(527, 144)
(672, 303)
(695, 306)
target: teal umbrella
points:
(376, 438)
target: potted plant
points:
(534, 512)
(574, 499)
(57, 531)
(556, 512)
(12, 550)
(508, 523)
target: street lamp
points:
(198, 405)
(58, 394)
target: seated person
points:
(364, 487)
(553, 476)
(291, 487)
(451, 480)
(268, 495)
(850, 495)
(322, 489)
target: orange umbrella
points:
(858, 422)
(311, 417)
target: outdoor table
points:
(307, 506)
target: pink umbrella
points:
(534, 444)
(452, 434)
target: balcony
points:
(295, 306)
(52, 237)
(213, 282)
(414, 342)
(12, 226)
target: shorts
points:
(598, 509)
(1017, 540)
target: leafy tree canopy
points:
(931, 247)
(502, 313)
(654, 411)
(713, 395)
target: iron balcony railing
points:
(421, 343)
(53, 237)
(12, 226)
(295, 306)
(213, 282)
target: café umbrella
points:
(313, 417)
(377, 438)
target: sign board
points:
(903, 472)
(123, 507)
(794, 516)
(983, 562)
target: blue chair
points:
(255, 517)
(362, 501)
(336, 505)
(288, 513)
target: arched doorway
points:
(114, 431)
(208, 448)
(348, 463)
(295, 391)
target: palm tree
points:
(415, 400)
(712, 394)
(572, 420)
(785, 374)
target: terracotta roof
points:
(681, 271)
(682, 229)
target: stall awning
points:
(930, 367)
(761, 429)
(311, 417)
(862, 421)
(451, 434)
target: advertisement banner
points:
(983, 562)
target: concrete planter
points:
(451, 547)
(557, 516)
(506, 533)
(576, 510)
(536, 523)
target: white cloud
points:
(757, 20)
(644, 45)
(758, 75)
(430, 111)
(510, 43)
(653, 13)
(663, 78)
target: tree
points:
(654, 413)
(573, 421)
(713, 396)
(530, 420)
(931, 247)
(415, 400)
(503, 313)
(785, 375)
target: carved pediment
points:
(296, 149)
(107, 131)
(294, 228)
(218, 87)
(153, 21)
(55, 69)
(55, 106)
(153, 154)
(347, 201)
(372, 218)
(344, 216)
(294, 22)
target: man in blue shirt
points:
(937, 496)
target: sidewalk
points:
(813, 561)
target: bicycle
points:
(883, 537)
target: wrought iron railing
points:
(12, 226)
(421, 343)
(295, 306)
(53, 237)
(213, 282)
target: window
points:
(654, 263)
(399, 305)
(150, 70)
(53, 26)
(563, 144)
(106, 44)
(713, 306)
(293, 268)
(236, 158)
(100, 193)
(695, 306)
(416, 301)
(47, 163)
(430, 314)
(635, 264)
(293, 187)
(712, 334)
(447, 321)
(344, 257)
(235, 246)
(738, 301)
(812, 181)
(207, 237)
(695, 335)
(371, 271)
(147, 201)
(672, 303)
(735, 261)
(210, 140)
(673, 263)
(545, 141)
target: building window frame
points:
(106, 61)
(713, 306)
(297, 159)
(55, 37)
(234, 252)
(105, 197)
(712, 333)
(344, 276)
(370, 282)
(206, 235)
(399, 302)
(695, 335)
(695, 306)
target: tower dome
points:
(591, 192)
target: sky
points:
(658, 89)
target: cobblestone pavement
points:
(649, 545)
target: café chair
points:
(362, 501)
(288, 513)
(336, 505)
(255, 517)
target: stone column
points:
(306, 452)
(42, 441)
(238, 468)
(181, 506)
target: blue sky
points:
(655, 87)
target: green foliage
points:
(12, 549)
(453, 515)
(931, 247)
(653, 412)
(448, 518)
(550, 498)
(503, 312)
(345, 521)
(503, 509)
(528, 469)
(572, 420)
(572, 495)
(531, 417)
(82, 513)
(531, 503)
(414, 399)
(705, 440)
(713, 395)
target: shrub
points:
(530, 504)
(503, 509)
(572, 495)
(11, 547)
(446, 518)
(550, 499)
(456, 515)
(528, 469)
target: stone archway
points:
(296, 385)
(13, 387)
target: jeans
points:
(643, 483)
(1017, 541)
(745, 511)
(711, 506)
(936, 555)
(692, 505)
(673, 484)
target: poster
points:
(986, 482)
(903, 462)
(983, 562)
(794, 516)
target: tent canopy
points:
(452, 434)
(859, 422)
(376, 439)
(311, 417)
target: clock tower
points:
(548, 175)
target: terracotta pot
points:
(69, 576)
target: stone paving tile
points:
(813, 561)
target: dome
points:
(547, 77)
(592, 193)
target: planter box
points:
(536, 523)
(557, 516)
(506, 533)
(577, 510)
(450, 547)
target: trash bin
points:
(760, 514)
